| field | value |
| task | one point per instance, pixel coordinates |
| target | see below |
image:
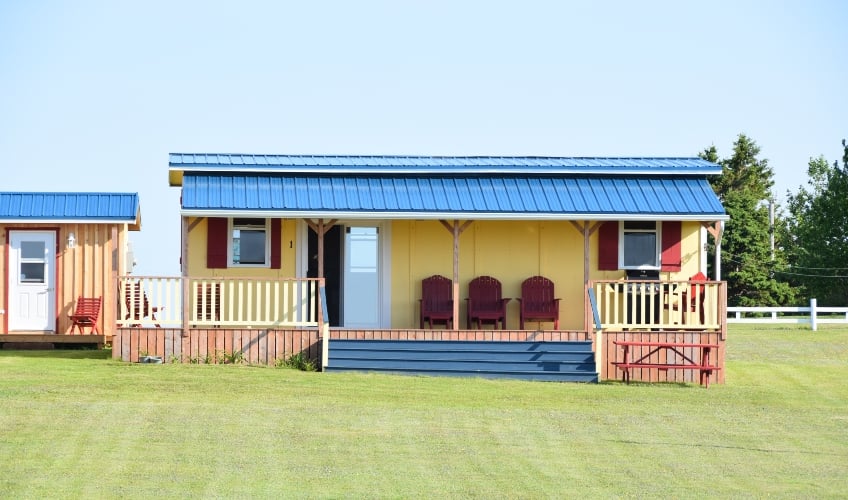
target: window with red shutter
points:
(247, 242)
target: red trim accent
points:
(608, 246)
(216, 242)
(6, 285)
(276, 243)
(671, 234)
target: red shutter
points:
(608, 246)
(216, 243)
(671, 245)
(276, 243)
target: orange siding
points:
(89, 269)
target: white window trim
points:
(231, 226)
(658, 225)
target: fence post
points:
(813, 323)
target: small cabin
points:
(57, 248)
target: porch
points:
(263, 320)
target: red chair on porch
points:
(86, 314)
(436, 303)
(485, 303)
(537, 301)
(692, 299)
(138, 306)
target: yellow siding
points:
(510, 251)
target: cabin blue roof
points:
(244, 163)
(457, 196)
(420, 187)
(69, 207)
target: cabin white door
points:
(32, 281)
(361, 277)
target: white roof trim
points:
(493, 170)
(379, 215)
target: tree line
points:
(809, 254)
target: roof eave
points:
(388, 215)
(176, 171)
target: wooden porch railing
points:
(198, 302)
(660, 305)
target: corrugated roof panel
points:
(310, 164)
(459, 195)
(40, 206)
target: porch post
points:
(184, 273)
(717, 230)
(455, 275)
(321, 229)
(456, 230)
(587, 229)
(320, 248)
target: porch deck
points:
(35, 338)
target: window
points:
(640, 248)
(249, 243)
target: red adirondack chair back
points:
(484, 293)
(436, 301)
(436, 295)
(485, 302)
(537, 296)
(697, 292)
(538, 301)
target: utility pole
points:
(771, 227)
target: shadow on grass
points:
(74, 353)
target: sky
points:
(95, 94)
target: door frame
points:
(54, 272)
(384, 245)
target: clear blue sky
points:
(94, 95)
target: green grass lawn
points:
(77, 424)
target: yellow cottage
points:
(280, 242)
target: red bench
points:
(703, 365)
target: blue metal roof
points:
(249, 163)
(69, 207)
(455, 196)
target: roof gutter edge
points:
(300, 214)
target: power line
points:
(788, 273)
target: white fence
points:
(812, 314)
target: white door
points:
(361, 296)
(32, 278)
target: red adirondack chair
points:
(86, 314)
(138, 306)
(436, 302)
(537, 301)
(693, 298)
(208, 300)
(485, 303)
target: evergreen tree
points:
(820, 231)
(744, 188)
